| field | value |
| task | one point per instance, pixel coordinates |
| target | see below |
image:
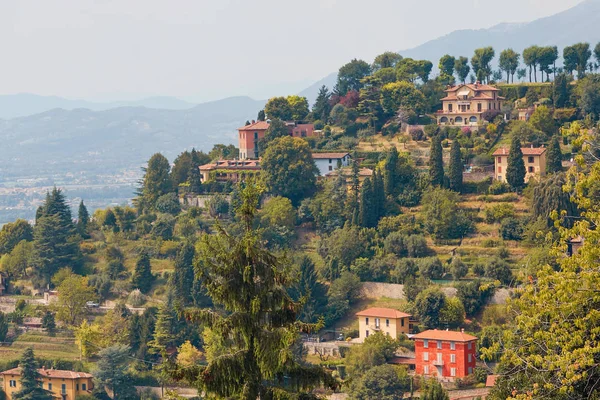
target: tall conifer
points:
(390, 171)
(515, 171)
(367, 215)
(31, 380)
(455, 170)
(142, 275)
(554, 158)
(436, 162)
(83, 217)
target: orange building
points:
(64, 385)
(391, 322)
(444, 354)
(465, 104)
(250, 135)
(229, 170)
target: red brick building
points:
(444, 354)
(250, 135)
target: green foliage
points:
(462, 68)
(185, 168)
(436, 162)
(473, 295)
(498, 269)
(343, 293)
(182, 279)
(156, 182)
(403, 245)
(20, 258)
(73, 294)
(458, 268)
(588, 91)
(142, 276)
(322, 107)
(428, 306)
(515, 171)
(403, 95)
(350, 76)
(455, 171)
(376, 350)
(278, 108)
(511, 229)
(542, 119)
(83, 218)
(311, 290)
(218, 206)
(31, 381)
(13, 233)
(453, 313)
(431, 268)
(345, 244)
(554, 156)
(509, 63)
(168, 204)
(443, 218)
(446, 64)
(548, 197)
(498, 212)
(498, 187)
(111, 371)
(381, 382)
(433, 390)
(481, 63)
(289, 169)
(388, 59)
(3, 327)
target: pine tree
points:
(167, 326)
(554, 159)
(515, 171)
(142, 276)
(83, 218)
(156, 182)
(455, 169)
(31, 380)
(111, 372)
(313, 292)
(261, 115)
(378, 195)
(260, 318)
(48, 322)
(183, 276)
(367, 214)
(322, 108)
(353, 206)
(436, 162)
(194, 179)
(391, 171)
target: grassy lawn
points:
(44, 346)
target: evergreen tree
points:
(353, 206)
(48, 322)
(322, 107)
(436, 162)
(110, 220)
(554, 160)
(261, 115)
(367, 214)
(141, 331)
(156, 182)
(31, 380)
(311, 290)
(456, 167)
(390, 171)
(195, 179)
(378, 195)
(142, 276)
(111, 372)
(183, 276)
(83, 218)
(167, 326)
(515, 171)
(260, 318)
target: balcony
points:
(438, 363)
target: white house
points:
(327, 162)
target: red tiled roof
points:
(403, 361)
(472, 86)
(527, 151)
(452, 336)
(490, 381)
(259, 125)
(382, 312)
(51, 373)
(329, 155)
(231, 164)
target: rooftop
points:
(319, 156)
(382, 312)
(451, 336)
(258, 125)
(348, 172)
(51, 373)
(231, 164)
(527, 151)
(473, 86)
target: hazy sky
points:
(208, 49)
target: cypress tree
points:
(379, 195)
(456, 167)
(83, 217)
(367, 217)
(31, 380)
(353, 206)
(156, 182)
(554, 159)
(436, 162)
(391, 171)
(259, 318)
(261, 115)
(515, 171)
(194, 179)
(142, 276)
(183, 275)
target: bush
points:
(417, 134)
(136, 298)
(413, 246)
(511, 229)
(499, 187)
(169, 248)
(218, 206)
(480, 187)
(431, 268)
(490, 243)
(498, 269)
(458, 269)
(87, 248)
(498, 212)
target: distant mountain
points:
(578, 24)
(102, 142)
(312, 91)
(22, 104)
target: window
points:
(425, 343)
(499, 177)
(330, 161)
(63, 388)
(530, 169)
(470, 370)
(452, 345)
(425, 356)
(376, 322)
(426, 370)
(13, 383)
(83, 386)
(452, 371)
(367, 333)
(452, 358)
(255, 135)
(499, 160)
(367, 320)
(49, 386)
(402, 321)
(77, 386)
(469, 345)
(499, 169)
(470, 357)
(450, 107)
(479, 107)
(530, 160)
(387, 322)
(439, 344)
(331, 168)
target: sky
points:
(202, 50)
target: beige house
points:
(387, 320)
(65, 385)
(465, 104)
(533, 157)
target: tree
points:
(188, 355)
(390, 171)
(499, 270)
(166, 204)
(278, 108)
(73, 294)
(549, 198)
(446, 65)
(377, 349)
(313, 292)
(380, 382)
(597, 52)
(277, 129)
(260, 321)
(183, 275)
(443, 218)
(542, 119)
(389, 59)
(19, 260)
(83, 217)
(410, 70)
(261, 115)
(289, 169)
(350, 76)
(142, 275)
(554, 158)
(462, 68)
(455, 170)
(367, 216)
(428, 306)
(588, 90)
(48, 322)
(403, 95)
(458, 269)
(530, 58)
(194, 179)
(111, 371)
(473, 295)
(322, 106)
(453, 313)
(515, 171)
(433, 390)
(298, 107)
(13, 233)
(509, 62)
(547, 57)
(3, 326)
(224, 152)
(167, 327)
(481, 63)
(436, 162)
(583, 52)
(31, 380)
(156, 182)
(570, 59)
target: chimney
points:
(532, 145)
(462, 330)
(253, 121)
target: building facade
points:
(387, 320)
(64, 385)
(533, 157)
(328, 162)
(465, 104)
(229, 170)
(445, 354)
(250, 135)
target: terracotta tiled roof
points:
(403, 361)
(348, 172)
(382, 312)
(329, 155)
(231, 164)
(51, 373)
(452, 336)
(259, 125)
(490, 381)
(472, 86)
(527, 151)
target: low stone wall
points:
(377, 290)
(200, 200)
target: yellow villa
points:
(533, 157)
(465, 104)
(387, 320)
(64, 385)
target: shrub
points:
(511, 229)
(218, 206)
(498, 212)
(498, 269)
(87, 248)
(503, 253)
(431, 268)
(479, 269)
(169, 249)
(499, 187)
(136, 298)
(413, 246)
(417, 134)
(458, 269)
(490, 243)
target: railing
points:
(438, 363)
